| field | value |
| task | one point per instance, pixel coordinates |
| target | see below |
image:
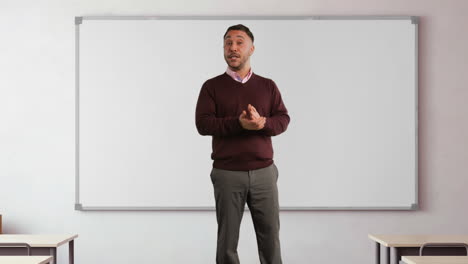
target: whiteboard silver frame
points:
(79, 20)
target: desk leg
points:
(377, 253)
(71, 252)
(53, 253)
(388, 255)
(395, 255)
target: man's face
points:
(238, 48)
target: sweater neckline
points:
(240, 83)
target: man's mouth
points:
(233, 56)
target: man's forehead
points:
(240, 36)
(236, 33)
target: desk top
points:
(416, 240)
(38, 240)
(25, 259)
(435, 259)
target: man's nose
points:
(233, 48)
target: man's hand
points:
(252, 112)
(252, 120)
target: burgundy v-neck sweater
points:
(220, 103)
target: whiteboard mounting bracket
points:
(78, 20)
(78, 207)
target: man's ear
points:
(252, 49)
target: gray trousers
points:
(257, 188)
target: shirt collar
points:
(237, 77)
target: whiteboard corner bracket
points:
(78, 20)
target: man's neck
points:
(242, 72)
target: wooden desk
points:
(25, 259)
(41, 245)
(435, 260)
(408, 245)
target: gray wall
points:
(37, 140)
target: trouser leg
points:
(230, 189)
(262, 200)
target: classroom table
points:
(397, 246)
(435, 259)
(40, 245)
(25, 259)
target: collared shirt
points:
(237, 77)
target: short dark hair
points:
(242, 28)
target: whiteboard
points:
(349, 84)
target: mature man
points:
(242, 111)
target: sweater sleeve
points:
(205, 117)
(278, 120)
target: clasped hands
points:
(251, 119)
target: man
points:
(242, 111)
